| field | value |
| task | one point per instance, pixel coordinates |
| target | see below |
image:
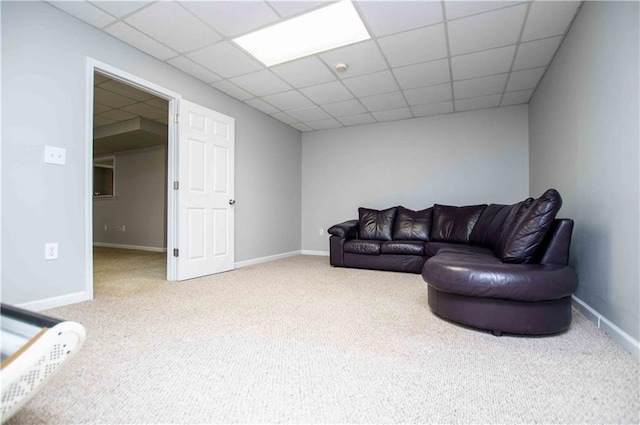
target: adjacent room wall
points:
(44, 98)
(140, 203)
(584, 140)
(457, 159)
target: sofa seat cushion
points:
(433, 248)
(412, 225)
(359, 246)
(403, 247)
(487, 277)
(454, 224)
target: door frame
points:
(173, 98)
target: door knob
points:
(232, 201)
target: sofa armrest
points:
(346, 230)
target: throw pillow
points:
(454, 224)
(375, 224)
(494, 221)
(530, 227)
(412, 225)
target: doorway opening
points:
(130, 142)
(131, 206)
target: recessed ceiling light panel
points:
(327, 28)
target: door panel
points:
(205, 213)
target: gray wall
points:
(44, 98)
(583, 122)
(457, 159)
(140, 203)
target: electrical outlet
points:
(122, 228)
(321, 232)
(106, 227)
(51, 251)
(55, 155)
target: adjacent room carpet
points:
(296, 340)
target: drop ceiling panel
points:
(549, 18)
(300, 126)
(386, 17)
(190, 67)
(173, 26)
(528, 79)
(344, 108)
(86, 12)
(99, 121)
(288, 9)
(144, 110)
(232, 90)
(432, 109)
(327, 93)
(304, 72)
(114, 100)
(262, 106)
(357, 119)
(487, 30)
(288, 100)
(393, 115)
(516, 97)
(158, 103)
(140, 41)
(458, 9)
(311, 113)
(384, 102)
(225, 59)
(472, 65)
(233, 18)
(478, 103)
(261, 83)
(120, 8)
(536, 53)
(423, 74)
(425, 95)
(98, 109)
(117, 115)
(421, 45)
(372, 84)
(362, 58)
(494, 84)
(126, 90)
(287, 119)
(324, 124)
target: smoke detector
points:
(341, 67)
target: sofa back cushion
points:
(493, 223)
(375, 224)
(412, 225)
(454, 224)
(530, 226)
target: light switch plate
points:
(55, 155)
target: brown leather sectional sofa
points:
(496, 267)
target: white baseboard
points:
(247, 263)
(318, 253)
(621, 337)
(55, 302)
(136, 247)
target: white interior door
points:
(206, 150)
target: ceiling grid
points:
(487, 54)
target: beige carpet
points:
(299, 341)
